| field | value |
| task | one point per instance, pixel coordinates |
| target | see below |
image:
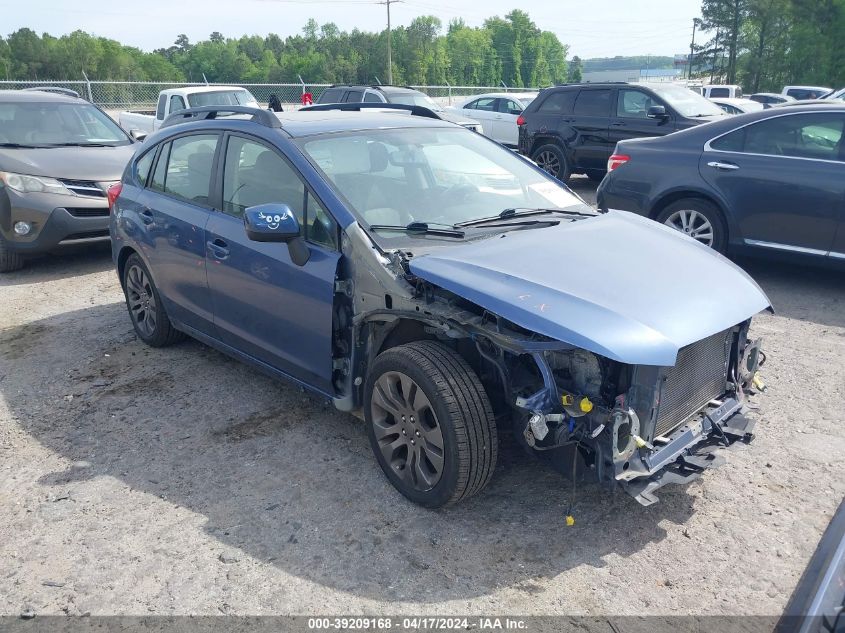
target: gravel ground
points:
(177, 481)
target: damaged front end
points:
(642, 426)
(589, 387)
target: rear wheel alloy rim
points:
(691, 222)
(407, 431)
(548, 162)
(142, 304)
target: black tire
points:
(552, 160)
(10, 261)
(672, 215)
(141, 305)
(462, 412)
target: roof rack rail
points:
(55, 89)
(206, 113)
(415, 110)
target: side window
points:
(633, 104)
(487, 104)
(371, 97)
(593, 103)
(320, 227)
(143, 166)
(162, 100)
(816, 135)
(187, 175)
(254, 174)
(558, 102)
(161, 169)
(508, 106)
(354, 96)
(331, 95)
(176, 103)
(471, 105)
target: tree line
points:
(511, 49)
(766, 44)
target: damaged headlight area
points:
(638, 426)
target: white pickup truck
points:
(139, 123)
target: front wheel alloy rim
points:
(548, 162)
(691, 222)
(407, 431)
(142, 304)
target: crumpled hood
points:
(619, 285)
(101, 164)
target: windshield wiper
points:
(19, 146)
(514, 212)
(79, 145)
(421, 228)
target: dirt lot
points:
(177, 481)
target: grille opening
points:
(88, 212)
(87, 235)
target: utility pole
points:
(389, 42)
(692, 48)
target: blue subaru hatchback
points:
(443, 289)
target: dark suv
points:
(400, 95)
(573, 129)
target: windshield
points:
(437, 176)
(222, 97)
(55, 123)
(414, 98)
(686, 102)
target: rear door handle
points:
(147, 216)
(715, 164)
(219, 248)
(618, 124)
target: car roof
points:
(500, 95)
(295, 124)
(388, 88)
(36, 96)
(197, 89)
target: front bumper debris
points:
(690, 450)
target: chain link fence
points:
(137, 95)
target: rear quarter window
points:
(558, 102)
(142, 167)
(331, 95)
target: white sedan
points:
(497, 112)
(737, 106)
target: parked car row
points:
(409, 269)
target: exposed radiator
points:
(699, 375)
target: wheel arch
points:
(125, 253)
(673, 196)
(384, 335)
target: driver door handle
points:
(715, 164)
(219, 249)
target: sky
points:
(595, 28)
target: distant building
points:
(641, 75)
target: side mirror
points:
(657, 112)
(277, 223)
(271, 223)
(138, 135)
